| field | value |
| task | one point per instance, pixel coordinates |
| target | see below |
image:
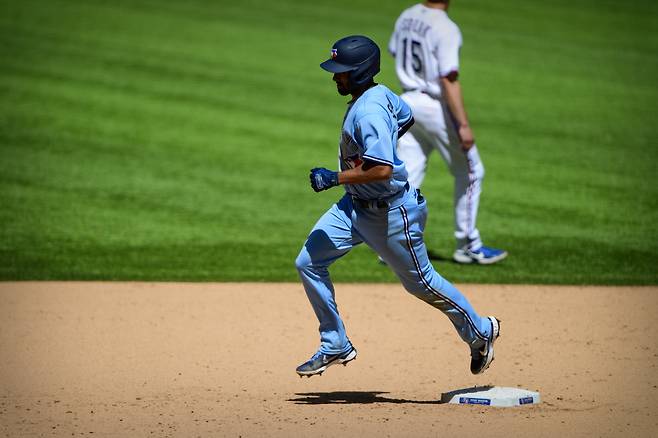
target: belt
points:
(380, 203)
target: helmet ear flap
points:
(366, 70)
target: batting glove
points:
(323, 179)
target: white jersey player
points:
(425, 44)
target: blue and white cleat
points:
(320, 362)
(483, 255)
(481, 358)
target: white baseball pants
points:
(435, 128)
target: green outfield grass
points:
(166, 140)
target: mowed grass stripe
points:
(214, 89)
(167, 140)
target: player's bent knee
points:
(303, 260)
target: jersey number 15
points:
(415, 49)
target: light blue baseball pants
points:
(396, 234)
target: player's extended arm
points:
(453, 93)
(367, 172)
(323, 179)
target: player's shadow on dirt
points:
(352, 397)
(369, 397)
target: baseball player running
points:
(425, 44)
(380, 208)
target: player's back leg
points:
(405, 253)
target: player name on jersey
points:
(414, 25)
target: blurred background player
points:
(425, 44)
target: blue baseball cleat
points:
(481, 358)
(320, 362)
(483, 255)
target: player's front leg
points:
(330, 239)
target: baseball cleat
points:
(481, 358)
(320, 362)
(483, 256)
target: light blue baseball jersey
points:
(370, 132)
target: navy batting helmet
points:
(356, 54)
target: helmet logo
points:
(334, 53)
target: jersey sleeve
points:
(404, 117)
(448, 46)
(374, 135)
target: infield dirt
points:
(188, 360)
